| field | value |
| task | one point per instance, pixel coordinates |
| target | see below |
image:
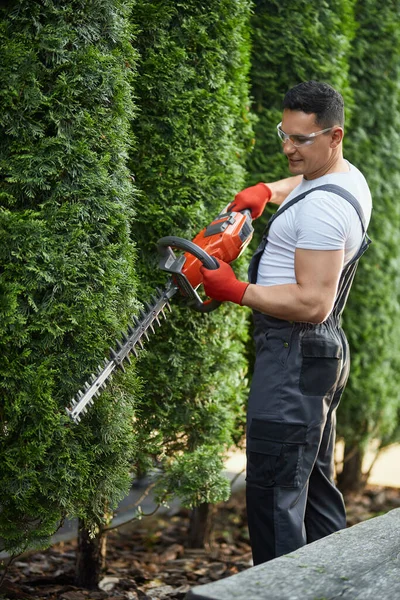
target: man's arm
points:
(311, 299)
(283, 187)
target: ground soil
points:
(150, 559)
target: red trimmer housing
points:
(225, 238)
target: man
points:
(300, 277)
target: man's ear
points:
(336, 136)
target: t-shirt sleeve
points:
(322, 223)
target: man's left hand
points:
(253, 198)
(222, 284)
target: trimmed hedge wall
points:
(87, 109)
(293, 42)
(372, 319)
(193, 132)
(354, 46)
(66, 258)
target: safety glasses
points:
(299, 140)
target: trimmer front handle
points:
(175, 265)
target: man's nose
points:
(288, 147)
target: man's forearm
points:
(283, 187)
(290, 302)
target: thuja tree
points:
(193, 131)
(372, 400)
(293, 42)
(66, 260)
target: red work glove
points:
(254, 198)
(221, 284)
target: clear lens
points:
(296, 140)
(299, 140)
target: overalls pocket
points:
(278, 341)
(275, 453)
(321, 362)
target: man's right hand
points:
(253, 198)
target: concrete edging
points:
(358, 563)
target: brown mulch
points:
(150, 559)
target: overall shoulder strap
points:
(336, 189)
(340, 191)
(328, 187)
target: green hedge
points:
(293, 42)
(372, 318)
(354, 46)
(66, 258)
(193, 132)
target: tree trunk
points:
(200, 526)
(352, 478)
(90, 557)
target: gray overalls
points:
(299, 375)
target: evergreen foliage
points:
(193, 131)
(74, 255)
(293, 42)
(372, 317)
(66, 259)
(315, 41)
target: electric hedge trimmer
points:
(225, 238)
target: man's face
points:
(312, 160)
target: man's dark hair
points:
(318, 98)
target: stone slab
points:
(358, 563)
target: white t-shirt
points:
(320, 221)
